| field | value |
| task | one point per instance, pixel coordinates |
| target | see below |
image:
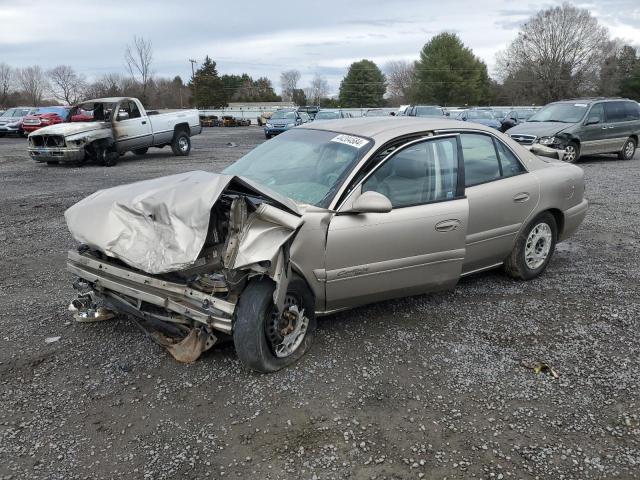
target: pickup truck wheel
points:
(107, 157)
(141, 151)
(266, 341)
(533, 249)
(181, 144)
(628, 151)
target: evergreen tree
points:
(363, 86)
(207, 87)
(448, 73)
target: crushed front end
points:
(185, 295)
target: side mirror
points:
(593, 120)
(123, 116)
(371, 202)
(447, 114)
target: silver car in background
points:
(325, 217)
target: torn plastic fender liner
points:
(160, 225)
(264, 247)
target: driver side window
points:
(421, 173)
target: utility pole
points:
(193, 75)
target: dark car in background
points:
(425, 111)
(331, 115)
(11, 120)
(283, 120)
(45, 116)
(571, 128)
(514, 117)
(482, 116)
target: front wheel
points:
(571, 153)
(181, 144)
(107, 156)
(266, 340)
(533, 249)
(628, 151)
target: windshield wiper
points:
(558, 121)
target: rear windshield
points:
(327, 115)
(428, 112)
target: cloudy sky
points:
(264, 38)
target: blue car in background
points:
(283, 120)
(483, 117)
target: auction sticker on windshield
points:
(350, 140)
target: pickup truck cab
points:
(106, 128)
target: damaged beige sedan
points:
(323, 218)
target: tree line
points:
(560, 52)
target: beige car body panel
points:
(349, 259)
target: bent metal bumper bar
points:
(175, 297)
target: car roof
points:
(106, 100)
(382, 129)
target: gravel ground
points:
(426, 387)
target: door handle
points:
(447, 225)
(612, 126)
(144, 122)
(521, 197)
(604, 128)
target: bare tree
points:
(7, 78)
(289, 82)
(66, 85)
(560, 49)
(318, 89)
(139, 59)
(399, 80)
(33, 83)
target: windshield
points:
(428, 112)
(526, 114)
(377, 113)
(479, 114)
(561, 112)
(305, 165)
(327, 115)
(283, 115)
(92, 112)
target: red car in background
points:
(45, 116)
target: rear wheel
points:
(533, 249)
(571, 153)
(628, 150)
(181, 144)
(141, 151)
(266, 340)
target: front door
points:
(131, 129)
(418, 246)
(595, 132)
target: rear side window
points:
(632, 111)
(481, 162)
(487, 159)
(615, 111)
(510, 164)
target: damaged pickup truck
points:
(105, 128)
(323, 218)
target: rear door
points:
(416, 247)
(501, 195)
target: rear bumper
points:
(60, 154)
(137, 289)
(573, 217)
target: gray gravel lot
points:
(426, 387)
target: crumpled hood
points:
(158, 225)
(539, 129)
(68, 129)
